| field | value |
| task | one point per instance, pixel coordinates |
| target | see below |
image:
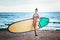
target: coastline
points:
(42, 35)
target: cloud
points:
(30, 5)
(12, 2)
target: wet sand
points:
(42, 35)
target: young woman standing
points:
(36, 20)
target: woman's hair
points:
(36, 9)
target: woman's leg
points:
(35, 30)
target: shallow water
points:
(7, 18)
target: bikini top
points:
(35, 16)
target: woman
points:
(36, 19)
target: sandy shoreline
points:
(42, 35)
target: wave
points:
(6, 18)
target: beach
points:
(7, 18)
(42, 35)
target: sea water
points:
(7, 18)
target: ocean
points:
(7, 18)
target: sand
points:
(42, 35)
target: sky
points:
(29, 5)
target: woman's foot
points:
(36, 35)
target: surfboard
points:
(43, 22)
(26, 25)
